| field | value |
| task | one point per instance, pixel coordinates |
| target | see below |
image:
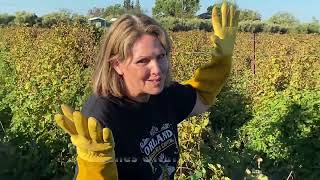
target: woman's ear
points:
(117, 66)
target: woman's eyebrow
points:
(139, 57)
(152, 55)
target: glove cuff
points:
(209, 79)
(96, 170)
(96, 156)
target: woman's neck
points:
(142, 98)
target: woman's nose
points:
(156, 67)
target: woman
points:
(134, 98)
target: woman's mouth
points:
(155, 81)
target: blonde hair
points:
(117, 45)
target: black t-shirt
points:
(145, 134)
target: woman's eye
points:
(161, 56)
(142, 61)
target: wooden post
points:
(253, 63)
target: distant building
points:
(98, 22)
(205, 15)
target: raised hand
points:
(225, 26)
(95, 145)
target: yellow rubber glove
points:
(95, 146)
(209, 79)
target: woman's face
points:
(145, 72)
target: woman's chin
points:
(155, 90)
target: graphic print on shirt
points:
(160, 151)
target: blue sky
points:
(302, 10)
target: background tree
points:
(137, 7)
(180, 8)
(249, 15)
(283, 18)
(190, 7)
(245, 14)
(79, 19)
(96, 12)
(314, 26)
(51, 19)
(25, 18)
(6, 19)
(165, 8)
(209, 9)
(127, 5)
(114, 10)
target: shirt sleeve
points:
(183, 99)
